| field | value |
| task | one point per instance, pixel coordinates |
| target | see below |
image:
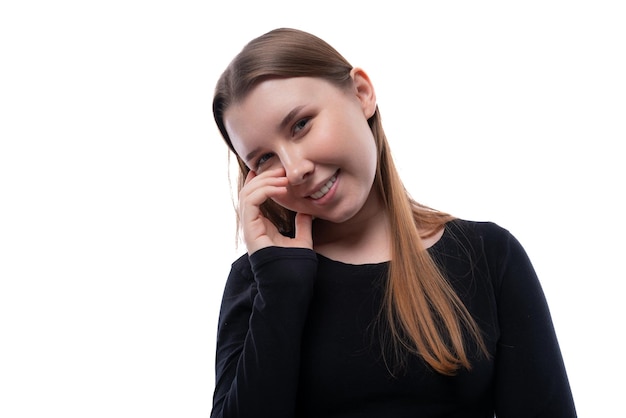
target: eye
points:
(262, 160)
(300, 125)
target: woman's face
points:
(315, 131)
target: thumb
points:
(304, 228)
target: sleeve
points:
(259, 334)
(530, 376)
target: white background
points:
(116, 220)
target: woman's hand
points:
(258, 231)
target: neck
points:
(361, 240)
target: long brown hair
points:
(424, 314)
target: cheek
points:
(327, 136)
(360, 144)
(337, 139)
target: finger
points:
(303, 224)
(251, 174)
(255, 194)
(274, 172)
(262, 189)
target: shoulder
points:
(481, 243)
(486, 235)
(477, 228)
(242, 266)
(240, 279)
(491, 245)
(270, 259)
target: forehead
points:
(271, 100)
(279, 93)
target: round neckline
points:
(386, 262)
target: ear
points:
(364, 91)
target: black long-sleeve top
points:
(299, 336)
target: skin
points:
(295, 135)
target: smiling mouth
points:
(325, 188)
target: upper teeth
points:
(325, 188)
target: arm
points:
(258, 346)
(530, 379)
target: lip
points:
(328, 195)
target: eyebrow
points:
(251, 154)
(283, 124)
(290, 116)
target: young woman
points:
(353, 300)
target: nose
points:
(297, 167)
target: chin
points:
(340, 217)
